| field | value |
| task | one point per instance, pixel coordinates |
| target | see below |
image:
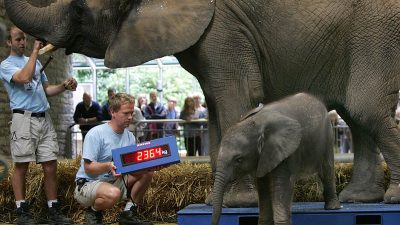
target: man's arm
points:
(161, 112)
(147, 113)
(52, 90)
(26, 73)
(77, 113)
(96, 168)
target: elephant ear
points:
(252, 112)
(158, 28)
(278, 140)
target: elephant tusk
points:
(47, 48)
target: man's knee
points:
(112, 194)
(21, 168)
(49, 167)
(148, 176)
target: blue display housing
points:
(127, 160)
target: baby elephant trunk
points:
(218, 195)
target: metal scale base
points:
(303, 213)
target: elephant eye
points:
(239, 160)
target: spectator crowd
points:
(89, 113)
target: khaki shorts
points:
(32, 139)
(87, 193)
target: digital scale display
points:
(145, 155)
(155, 153)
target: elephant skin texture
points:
(243, 53)
(278, 143)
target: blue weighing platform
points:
(303, 213)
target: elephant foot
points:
(392, 195)
(362, 193)
(332, 204)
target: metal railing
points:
(192, 138)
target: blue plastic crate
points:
(303, 213)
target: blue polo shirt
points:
(99, 142)
(29, 96)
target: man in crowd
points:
(99, 187)
(155, 110)
(106, 113)
(171, 127)
(87, 114)
(32, 131)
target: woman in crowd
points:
(191, 130)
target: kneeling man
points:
(99, 187)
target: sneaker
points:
(56, 217)
(24, 217)
(93, 217)
(130, 218)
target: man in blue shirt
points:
(33, 137)
(99, 187)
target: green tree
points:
(176, 82)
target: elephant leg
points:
(389, 143)
(282, 188)
(327, 176)
(232, 85)
(366, 183)
(265, 201)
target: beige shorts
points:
(33, 139)
(87, 193)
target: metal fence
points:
(194, 141)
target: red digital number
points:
(139, 156)
(158, 151)
(144, 155)
(151, 153)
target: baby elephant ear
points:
(280, 138)
(157, 28)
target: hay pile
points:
(310, 189)
(172, 189)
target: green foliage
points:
(177, 82)
(83, 75)
(109, 78)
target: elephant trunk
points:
(40, 22)
(218, 195)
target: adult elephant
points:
(245, 52)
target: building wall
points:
(61, 106)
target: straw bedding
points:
(172, 189)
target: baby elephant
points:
(279, 142)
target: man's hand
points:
(113, 170)
(70, 84)
(37, 45)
